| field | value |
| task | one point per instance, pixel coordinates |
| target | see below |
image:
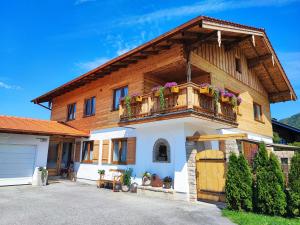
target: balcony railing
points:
(187, 100)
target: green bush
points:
(294, 185)
(268, 197)
(238, 187)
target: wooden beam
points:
(277, 95)
(235, 43)
(161, 47)
(129, 61)
(217, 137)
(149, 52)
(257, 60)
(138, 57)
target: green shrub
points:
(294, 185)
(232, 184)
(268, 197)
(238, 187)
(245, 189)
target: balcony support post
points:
(190, 97)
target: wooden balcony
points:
(188, 101)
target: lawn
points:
(244, 218)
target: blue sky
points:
(44, 44)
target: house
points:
(287, 133)
(158, 130)
(24, 146)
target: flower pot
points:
(146, 181)
(138, 98)
(224, 99)
(125, 188)
(204, 90)
(167, 185)
(175, 89)
(38, 179)
(156, 93)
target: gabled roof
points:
(285, 126)
(202, 28)
(18, 125)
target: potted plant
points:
(156, 90)
(146, 180)
(101, 172)
(239, 100)
(127, 101)
(127, 180)
(42, 176)
(204, 88)
(167, 182)
(172, 86)
(225, 96)
(136, 97)
(156, 181)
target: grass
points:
(245, 218)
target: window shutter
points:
(96, 152)
(131, 150)
(105, 151)
(77, 151)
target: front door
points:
(59, 156)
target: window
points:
(87, 152)
(284, 161)
(71, 111)
(257, 112)
(89, 106)
(161, 151)
(119, 93)
(119, 152)
(238, 66)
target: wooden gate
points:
(210, 175)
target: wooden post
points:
(190, 97)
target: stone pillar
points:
(191, 151)
(230, 146)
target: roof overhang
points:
(263, 57)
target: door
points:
(66, 156)
(210, 175)
(53, 158)
(249, 151)
(17, 164)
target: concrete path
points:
(76, 203)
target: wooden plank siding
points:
(221, 66)
(103, 88)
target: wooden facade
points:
(230, 56)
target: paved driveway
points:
(75, 203)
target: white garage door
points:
(16, 164)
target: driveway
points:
(76, 203)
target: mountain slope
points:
(292, 121)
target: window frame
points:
(68, 111)
(238, 64)
(254, 112)
(120, 140)
(90, 146)
(156, 144)
(92, 109)
(114, 96)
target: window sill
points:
(86, 116)
(260, 121)
(69, 120)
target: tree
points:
(269, 196)
(245, 189)
(238, 187)
(232, 184)
(276, 138)
(294, 185)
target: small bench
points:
(114, 177)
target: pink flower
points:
(170, 84)
(204, 85)
(156, 88)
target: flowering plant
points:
(239, 100)
(170, 84)
(135, 95)
(157, 88)
(204, 85)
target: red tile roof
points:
(11, 124)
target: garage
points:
(16, 163)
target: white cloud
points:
(80, 2)
(8, 86)
(207, 6)
(89, 65)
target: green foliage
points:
(127, 177)
(276, 138)
(246, 218)
(238, 187)
(297, 144)
(128, 105)
(269, 197)
(44, 173)
(101, 172)
(294, 185)
(162, 100)
(216, 95)
(292, 121)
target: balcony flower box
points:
(156, 91)
(206, 89)
(225, 99)
(136, 98)
(171, 87)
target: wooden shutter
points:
(77, 151)
(96, 152)
(105, 151)
(131, 150)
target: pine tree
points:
(294, 185)
(245, 188)
(232, 184)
